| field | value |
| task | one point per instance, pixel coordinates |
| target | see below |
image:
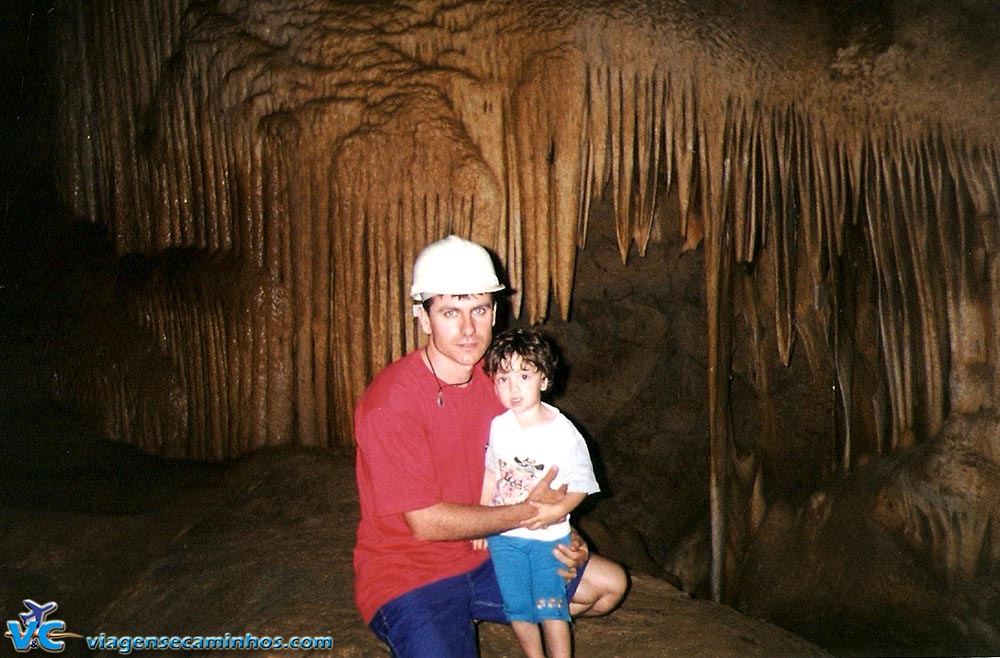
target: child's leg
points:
(557, 638)
(510, 562)
(529, 638)
(548, 588)
(549, 595)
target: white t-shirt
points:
(520, 457)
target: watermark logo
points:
(35, 631)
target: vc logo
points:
(33, 631)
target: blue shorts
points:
(436, 620)
(529, 580)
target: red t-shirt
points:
(412, 454)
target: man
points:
(422, 428)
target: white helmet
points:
(453, 266)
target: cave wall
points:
(267, 171)
(263, 131)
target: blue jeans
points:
(529, 580)
(436, 620)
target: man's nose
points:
(468, 326)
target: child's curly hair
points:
(531, 346)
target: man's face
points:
(460, 328)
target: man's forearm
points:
(457, 521)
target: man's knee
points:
(431, 620)
(601, 589)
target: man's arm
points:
(458, 521)
(549, 514)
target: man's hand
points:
(546, 501)
(542, 492)
(573, 556)
(545, 515)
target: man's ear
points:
(494, 323)
(545, 384)
(425, 320)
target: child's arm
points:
(553, 513)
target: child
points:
(525, 442)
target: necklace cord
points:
(440, 384)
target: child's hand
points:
(479, 544)
(545, 516)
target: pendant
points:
(440, 399)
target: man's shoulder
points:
(393, 385)
(407, 365)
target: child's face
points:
(520, 388)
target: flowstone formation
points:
(271, 169)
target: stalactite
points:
(514, 238)
(550, 148)
(839, 332)
(785, 251)
(928, 291)
(741, 145)
(667, 119)
(622, 130)
(807, 201)
(715, 178)
(648, 128)
(586, 190)
(879, 210)
(683, 124)
(900, 322)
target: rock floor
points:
(129, 544)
